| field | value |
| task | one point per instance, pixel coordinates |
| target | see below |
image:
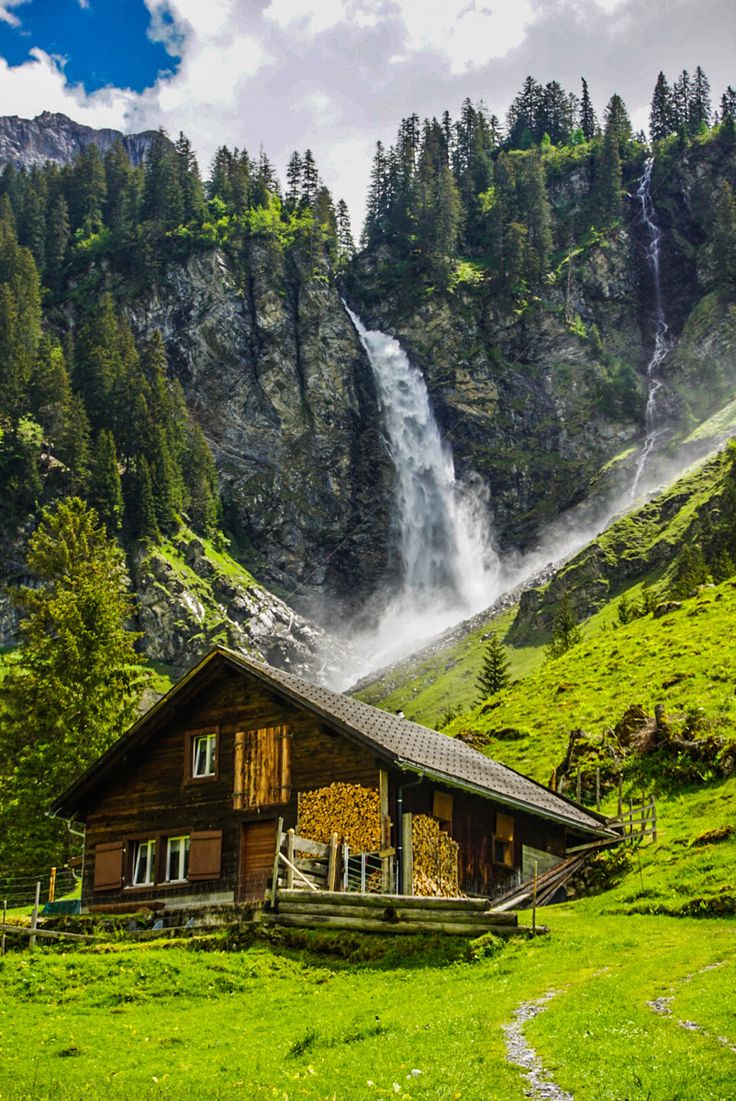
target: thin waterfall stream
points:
(655, 427)
(449, 569)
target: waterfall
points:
(653, 419)
(449, 569)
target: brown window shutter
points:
(109, 866)
(205, 854)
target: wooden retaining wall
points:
(372, 913)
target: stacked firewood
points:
(435, 859)
(349, 810)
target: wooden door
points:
(257, 848)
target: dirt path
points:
(522, 1054)
(662, 1006)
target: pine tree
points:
(310, 179)
(681, 93)
(141, 507)
(87, 190)
(74, 447)
(588, 121)
(105, 490)
(345, 243)
(700, 107)
(690, 570)
(76, 683)
(494, 672)
(200, 474)
(617, 122)
(57, 240)
(293, 180)
(565, 630)
(728, 104)
(661, 113)
(190, 182)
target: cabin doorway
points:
(257, 846)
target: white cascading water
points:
(449, 567)
(654, 426)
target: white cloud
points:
(39, 84)
(470, 32)
(8, 16)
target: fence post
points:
(332, 864)
(290, 858)
(275, 881)
(534, 901)
(598, 788)
(5, 918)
(52, 885)
(407, 856)
(34, 915)
(620, 793)
(654, 820)
(345, 869)
(362, 873)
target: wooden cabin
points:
(184, 807)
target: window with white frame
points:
(143, 862)
(177, 859)
(204, 747)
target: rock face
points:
(535, 398)
(190, 598)
(274, 372)
(54, 137)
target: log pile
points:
(349, 810)
(435, 859)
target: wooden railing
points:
(301, 862)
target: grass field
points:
(420, 1021)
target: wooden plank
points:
(332, 868)
(290, 859)
(239, 759)
(52, 934)
(299, 875)
(366, 925)
(407, 855)
(306, 845)
(470, 905)
(394, 914)
(275, 880)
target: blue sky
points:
(103, 42)
(337, 75)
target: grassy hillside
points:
(636, 551)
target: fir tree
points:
(700, 106)
(588, 121)
(690, 571)
(105, 490)
(57, 240)
(345, 243)
(494, 672)
(76, 683)
(310, 179)
(661, 113)
(293, 180)
(565, 630)
(200, 475)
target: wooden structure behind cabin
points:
(185, 805)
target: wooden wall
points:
(473, 824)
(149, 794)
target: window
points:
(177, 859)
(503, 840)
(204, 749)
(143, 863)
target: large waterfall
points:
(654, 424)
(448, 566)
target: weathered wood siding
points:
(473, 826)
(149, 794)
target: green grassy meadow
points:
(350, 1018)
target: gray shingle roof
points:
(420, 748)
(407, 744)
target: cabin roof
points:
(406, 744)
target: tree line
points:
(474, 187)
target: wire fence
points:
(20, 890)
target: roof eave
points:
(504, 800)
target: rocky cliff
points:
(51, 136)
